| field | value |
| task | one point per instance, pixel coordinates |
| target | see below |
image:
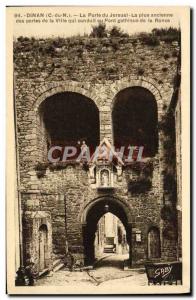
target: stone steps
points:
(57, 264)
(43, 272)
(108, 251)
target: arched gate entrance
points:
(93, 212)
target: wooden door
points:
(42, 247)
(153, 243)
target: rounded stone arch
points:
(109, 199)
(150, 224)
(43, 226)
(135, 113)
(46, 91)
(50, 90)
(92, 213)
(143, 82)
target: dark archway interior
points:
(92, 219)
(71, 117)
(135, 120)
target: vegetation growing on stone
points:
(167, 35)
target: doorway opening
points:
(110, 236)
(43, 247)
(154, 244)
(106, 231)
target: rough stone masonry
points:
(61, 204)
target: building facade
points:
(100, 91)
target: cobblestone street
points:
(107, 269)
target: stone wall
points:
(97, 69)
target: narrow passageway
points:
(109, 267)
(107, 270)
(111, 261)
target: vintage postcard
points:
(98, 150)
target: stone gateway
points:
(116, 91)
